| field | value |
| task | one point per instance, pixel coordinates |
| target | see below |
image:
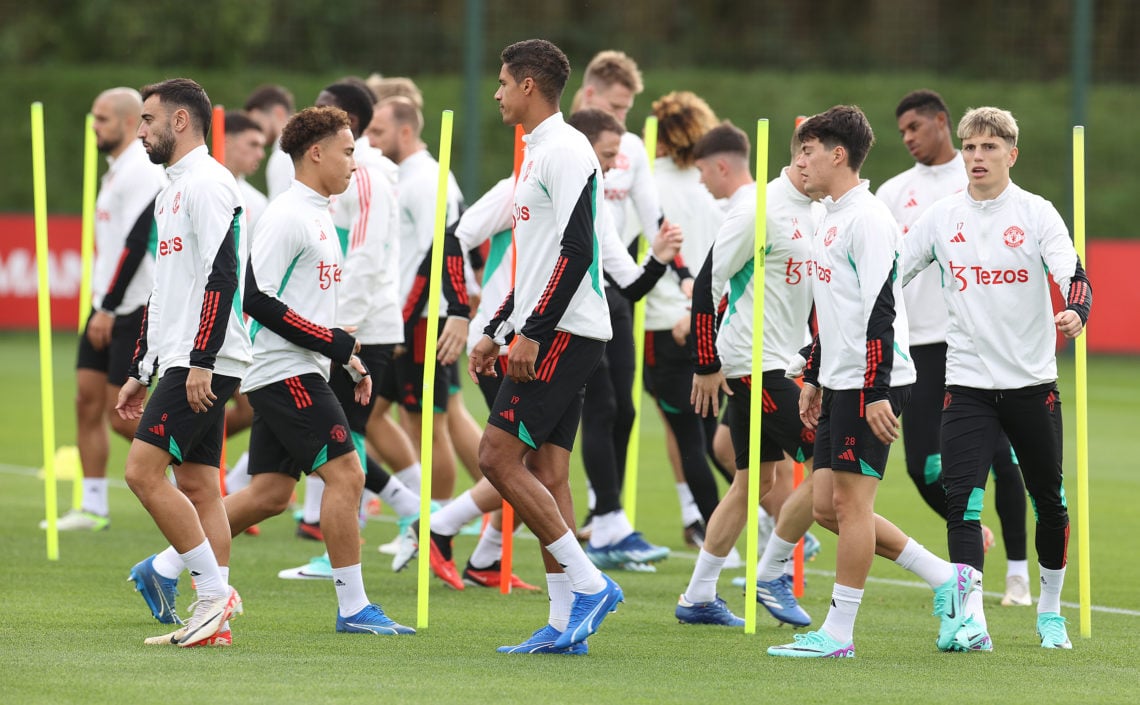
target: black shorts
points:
(377, 358)
(489, 386)
(409, 379)
(115, 359)
(547, 410)
(169, 423)
(781, 430)
(668, 372)
(844, 441)
(298, 426)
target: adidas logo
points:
(848, 455)
(958, 238)
(194, 574)
(339, 583)
(159, 430)
(796, 235)
(911, 204)
(509, 415)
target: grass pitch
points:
(71, 631)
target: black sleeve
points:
(134, 250)
(492, 330)
(651, 272)
(678, 266)
(1080, 293)
(221, 287)
(272, 313)
(574, 261)
(881, 342)
(704, 322)
(454, 282)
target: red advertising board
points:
(18, 280)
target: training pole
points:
(506, 562)
(86, 256)
(756, 407)
(427, 416)
(1084, 560)
(633, 450)
(218, 151)
(43, 296)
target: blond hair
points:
(988, 121)
(610, 67)
(683, 118)
(395, 86)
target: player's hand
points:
(452, 340)
(668, 242)
(363, 390)
(681, 330)
(198, 392)
(705, 395)
(520, 361)
(687, 288)
(882, 421)
(132, 396)
(481, 359)
(1069, 323)
(811, 401)
(350, 330)
(99, 329)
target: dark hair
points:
(923, 101)
(842, 126)
(725, 138)
(237, 121)
(543, 62)
(266, 96)
(184, 93)
(592, 123)
(310, 126)
(355, 99)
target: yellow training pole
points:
(47, 400)
(427, 416)
(633, 451)
(1084, 560)
(756, 407)
(87, 241)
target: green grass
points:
(71, 631)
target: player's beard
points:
(161, 147)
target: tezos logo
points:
(166, 247)
(1013, 236)
(327, 274)
(830, 237)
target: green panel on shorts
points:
(800, 456)
(1033, 503)
(358, 443)
(974, 506)
(1013, 456)
(322, 457)
(524, 436)
(667, 407)
(933, 469)
(868, 470)
(1064, 501)
(175, 450)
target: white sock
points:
(924, 564)
(95, 495)
(350, 594)
(225, 571)
(775, 559)
(591, 498)
(314, 491)
(584, 576)
(203, 566)
(449, 520)
(840, 622)
(609, 528)
(689, 510)
(1051, 583)
(410, 476)
(702, 584)
(488, 550)
(169, 564)
(558, 588)
(238, 476)
(402, 500)
(1017, 568)
(974, 607)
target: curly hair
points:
(683, 118)
(310, 126)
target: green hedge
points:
(1042, 109)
